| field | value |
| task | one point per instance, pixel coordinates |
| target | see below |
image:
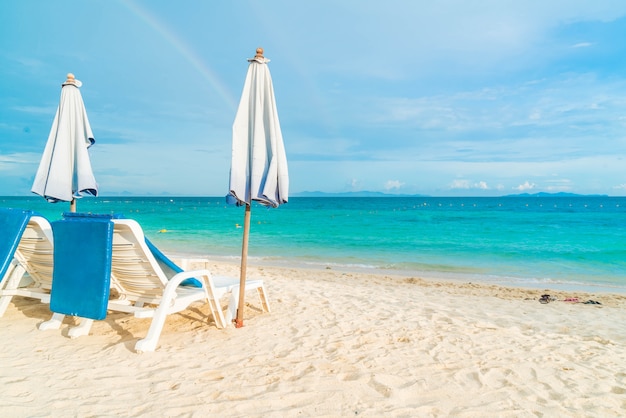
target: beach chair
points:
(148, 285)
(26, 262)
(225, 285)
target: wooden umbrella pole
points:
(244, 266)
(73, 205)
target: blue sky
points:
(445, 98)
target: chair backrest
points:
(133, 245)
(35, 252)
(167, 266)
(135, 273)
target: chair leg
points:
(212, 296)
(263, 297)
(4, 304)
(53, 323)
(11, 282)
(9, 273)
(81, 329)
(233, 303)
(149, 343)
(221, 321)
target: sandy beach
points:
(335, 344)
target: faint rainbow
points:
(185, 50)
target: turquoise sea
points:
(576, 243)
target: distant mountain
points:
(353, 194)
(366, 193)
(559, 194)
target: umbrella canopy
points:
(258, 170)
(65, 169)
(259, 163)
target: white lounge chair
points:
(34, 256)
(149, 285)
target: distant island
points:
(366, 193)
(559, 194)
(353, 194)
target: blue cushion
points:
(169, 267)
(82, 267)
(12, 225)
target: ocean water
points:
(576, 243)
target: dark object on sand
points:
(592, 302)
(545, 299)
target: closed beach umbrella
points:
(258, 170)
(65, 169)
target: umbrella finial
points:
(259, 57)
(72, 80)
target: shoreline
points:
(450, 285)
(452, 277)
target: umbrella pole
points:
(244, 265)
(73, 205)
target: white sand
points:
(335, 344)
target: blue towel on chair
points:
(82, 267)
(168, 266)
(12, 225)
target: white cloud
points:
(37, 110)
(525, 186)
(558, 185)
(460, 184)
(466, 184)
(393, 184)
(18, 161)
(354, 184)
(620, 186)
